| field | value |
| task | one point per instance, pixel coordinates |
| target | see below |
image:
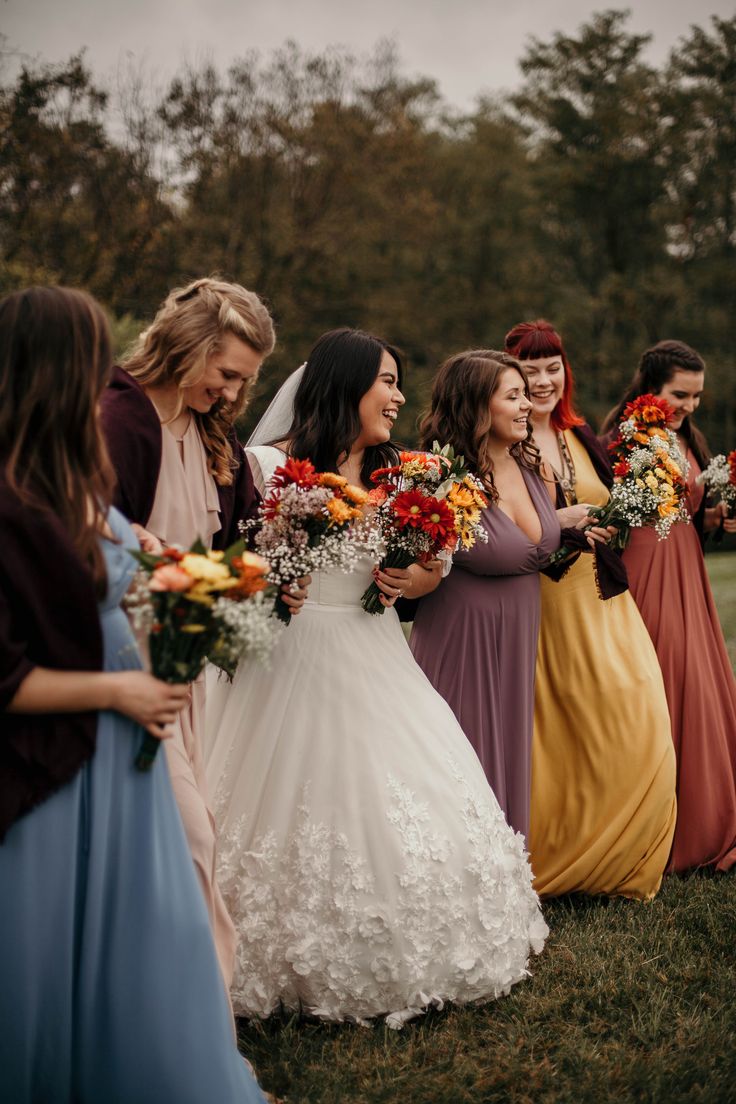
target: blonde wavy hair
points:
(188, 328)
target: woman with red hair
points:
(603, 773)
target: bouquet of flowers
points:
(201, 605)
(427, 503)
(720, 478)
(309, 522)
(650, 475)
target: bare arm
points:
(149, 701)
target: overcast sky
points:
(468, 46)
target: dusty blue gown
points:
(109, 984)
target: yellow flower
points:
(332, 479)
(204, 568)
(339, 511)
(192, 628)
(355, 494)
(460, 497)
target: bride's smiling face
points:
(379, 406)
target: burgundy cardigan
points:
(48, 618)
(133, 433)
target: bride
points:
(363, 857)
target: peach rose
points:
(170, 577)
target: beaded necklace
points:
(566, 478)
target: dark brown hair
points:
(459, 413)
(656, 368)
(55, 359)
(341, 368)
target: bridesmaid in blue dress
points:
(110, 989)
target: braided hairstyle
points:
(656, 368)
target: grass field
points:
(722, 572)
(628, 1002)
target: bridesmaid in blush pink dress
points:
(670, 585)
(181, 473)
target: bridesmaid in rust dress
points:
(475, 636)
(670, 585)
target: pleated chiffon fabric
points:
(475, 638)
(670, 584)
(603, 768)
(111, 990)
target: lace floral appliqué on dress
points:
(363, 857)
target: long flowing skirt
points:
(363, 856)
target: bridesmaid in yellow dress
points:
(603, 802)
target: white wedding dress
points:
(362, 855)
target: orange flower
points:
(355, 494)
(252, 570)
(332, 479)
(378, 495)
(649, 410)
(339, 511)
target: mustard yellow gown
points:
(603, 804)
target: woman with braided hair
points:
(168, 416)
(670, 586)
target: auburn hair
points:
(535, 340)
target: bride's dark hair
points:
(341, 367)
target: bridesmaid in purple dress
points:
(475, 636)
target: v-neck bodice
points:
(509, 551)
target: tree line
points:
(600, 195)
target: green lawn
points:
(722, 571)
(628, 1002)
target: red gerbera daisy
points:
(271, 507)
(409, 509)
(621, 468)
(439, 520)
(301, 472)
